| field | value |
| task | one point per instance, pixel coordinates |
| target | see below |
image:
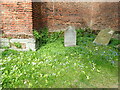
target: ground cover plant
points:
(54, 66)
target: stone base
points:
(25, 44)
(70, 45)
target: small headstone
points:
(70, 37)
(104, 37)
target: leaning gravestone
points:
(104, 37)
(70, 37)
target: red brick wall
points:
(42, 14)
(16, 19)
(20, 18)
(59, 15)
(119, 15)
(72, 13)
(105, 15)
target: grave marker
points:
(104, 37)
(70, 37)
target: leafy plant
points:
(5, 47)
(54, 66)
(17, 44)
(9, 38)
(36, 34)
(114, 42)
(86, 32)
(43, 36)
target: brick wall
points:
(119, 15)
(42, 15)
(16, 19)
(105, 15)
(72, 13)
(59, 15)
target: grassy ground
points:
(54, 66)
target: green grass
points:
(54, 66)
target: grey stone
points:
(19, 40)
(104, 37)
(1, 50)
(70, 37)
(29, 43)
(4, 42)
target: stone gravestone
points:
(104, 37)
(70, 37)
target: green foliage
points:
(55, 66)
(84, 36)
(114, 42)
(8, 52)
(36, 34)
(9, 38)
(85, 33)
(5, 47)
(55, 36)
(17, 44)
(43, 36)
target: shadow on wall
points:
(119, 16)
(111, 17)
(71, 14)
(106, 15)
(39, 15)
(57, 16)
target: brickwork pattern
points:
(20, 18)
(59, 15)
(16, 19)
(72, 13)
(105, 15)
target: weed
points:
(54, 66)
(17, 44)
(5, 47)
(43, 37)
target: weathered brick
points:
(13, 15)
(22, 17)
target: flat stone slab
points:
(1, 50)
(4, 42)
(104, 37)
(27, 44)
(70, 37)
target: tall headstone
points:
(70, 37)
(104, 37)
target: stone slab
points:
(70, 37)
(104, 37)
(29, 43)
(4, 42)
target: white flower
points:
(54, 74)
(88, 77)
(98, 70)
(33, 63)
(74, 64)
(96, 48)
(83, 72)
(2, 68)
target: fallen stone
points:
(104, 37)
